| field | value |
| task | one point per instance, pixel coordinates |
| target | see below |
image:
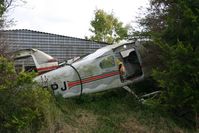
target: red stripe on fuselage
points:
(92, 78)
(47, 68)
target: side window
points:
(107, 62)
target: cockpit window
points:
(107, 62)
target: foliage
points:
(173, 21)
(174, 25)
(183, 23)
(23, 104)
(4, 6)
(7, 72)
(107, 28)
(180, 78)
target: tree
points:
(173, 21)
(175, 24)
(107, 28)
(4, 6)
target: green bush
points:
(179, 79)
(23, 104)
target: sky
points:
(70, 17)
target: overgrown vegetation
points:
(117, 111)
(24, 106)
(173, 25)
(180, 80)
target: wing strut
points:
(131, 91)
(141, 99)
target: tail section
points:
(43, 61)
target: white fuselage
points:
(96, 72)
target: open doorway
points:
(131, 64)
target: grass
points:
(115, 111)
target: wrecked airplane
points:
(110, 67)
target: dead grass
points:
(86, 121)
(133, 126)
(68, 129)
(83, 122)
